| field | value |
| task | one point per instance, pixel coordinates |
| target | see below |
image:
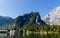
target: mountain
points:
(4, 20)
(26, 20)
(53, 18)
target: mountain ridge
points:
(4, 20)
(26, 20)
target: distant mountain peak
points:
(53, 18)
(4, 20)
(58, 7)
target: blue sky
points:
(14, 8)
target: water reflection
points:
(4, 35)
(31, 35)
(35, 35)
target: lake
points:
(32, 35)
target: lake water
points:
(32, 35)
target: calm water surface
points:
(32, 35)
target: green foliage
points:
(47, 28)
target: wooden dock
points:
(3, 31)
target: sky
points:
(14, 8)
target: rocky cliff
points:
(53, 18)
(26, 20)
